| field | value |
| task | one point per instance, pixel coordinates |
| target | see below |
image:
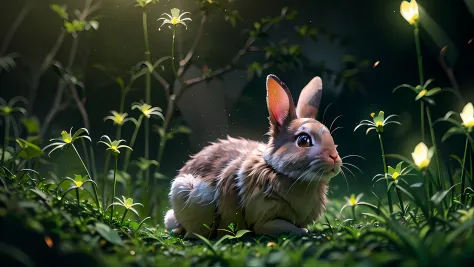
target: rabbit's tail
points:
(170, 221)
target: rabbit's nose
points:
(333, 155)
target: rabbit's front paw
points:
(278, 226)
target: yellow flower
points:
(422, 93)
(422, 155)
(66, 137)
(175, 18)
(395, 175)
(409, 11)
(118, 118)
(78, 183)
(467, 115)
(353, 200)
(147, 110)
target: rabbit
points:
(272, 188)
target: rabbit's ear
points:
(279, 102)
(310, 98)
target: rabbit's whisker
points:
(324, 113)
(332, 132)
(330, 127)
(342, 166)
(345, 178)
(353, 166)
(358, 156)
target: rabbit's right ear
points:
(279, 102)
(310, 98)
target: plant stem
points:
(86, 153)
(123, 217)
(389, 197)
(433, 140)
(106, 170)
(5, 137)
(422, 118)
(400, 199)
(147, 88)
(94, 169)
(77, 196)
(418, 53)
(132, 142)
(172, 52)
(463, 170)
(420, 74)
(115, 184)
(353, 212)
(90, 177)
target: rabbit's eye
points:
(304, 140)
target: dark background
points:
(376, 28)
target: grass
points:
(37, 229)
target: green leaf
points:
(122, 177)
(28, 150)
(32, 125)
(240, 233)
(60, 10)
(433, 91)
(450, 132)
(391, 170)
(108, 234)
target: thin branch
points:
(88, 9)
(184, 63)
(35, 80)
(246, 48)
(449, 72)
(14, 27)
(80, 105)
(163, 82)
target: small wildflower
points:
(144, 3)
(7, 109)
(422, 155)
(67, 139)
(467, 115)
(118, 118)
(114, 146)
(352, 201)
(147, 110)
(175, 18)
(409, 11)
(397, 172)
(378, 122)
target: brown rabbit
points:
(273, 188)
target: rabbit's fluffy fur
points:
(269, 188)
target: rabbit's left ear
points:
(310, 98)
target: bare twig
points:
(184, 63)
(36, 76)
(80, 105)
(14, 27)
(449, 72)
(88, 10)
(163, 83)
